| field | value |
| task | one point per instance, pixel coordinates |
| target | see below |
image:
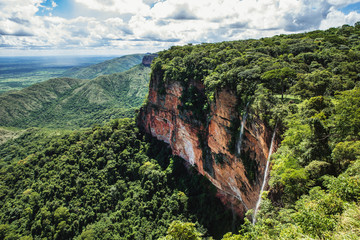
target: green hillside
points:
(101, 183)
(15, 106)
(115, 65)
(306, 86)
(18, 72)
(73, 103)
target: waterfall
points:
(243, 121)
(265, 177)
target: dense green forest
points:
(73, 103)
(112, 182)
(307, 85)
(107, 182)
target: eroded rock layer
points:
(206, 144)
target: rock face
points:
(206, 145)
(148, 58)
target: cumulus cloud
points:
(335, 17)
(155, 24)
(182, 13)
(118, 6)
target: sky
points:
(118, 27)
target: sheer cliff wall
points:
(203, 138)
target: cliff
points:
(148, 58)
(203, 138)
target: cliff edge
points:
(202, 138)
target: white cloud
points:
(156, 24)
(341, 2)
(119, 6)
(24, 8)
(337, 18)
(16, 17)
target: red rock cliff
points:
(206, 146)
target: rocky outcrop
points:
(206, 145)
(148, 58)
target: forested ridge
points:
(116, 65)
(112, 182)
(74, 103)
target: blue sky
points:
(351, 7)
(117, 27)
(64, 8)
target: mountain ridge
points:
(111, 66)
(65, 102)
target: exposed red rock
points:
(162, 118)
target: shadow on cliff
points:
(203, 205)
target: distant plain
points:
(20, 72)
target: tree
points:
(263, 102)
(279, 79)
(347, 118)
(313, 84)
(182, 231)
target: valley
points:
(73, 102)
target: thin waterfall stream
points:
(265, 177)
(243, 121)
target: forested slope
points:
(102, 183)
(306, 87)
(72, 103)
(116, 65)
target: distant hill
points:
(20, 72)
(73, 103)
(19, 104)
(115, 65)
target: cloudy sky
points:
(53, 27)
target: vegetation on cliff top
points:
(309, 85)
(304, 65)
